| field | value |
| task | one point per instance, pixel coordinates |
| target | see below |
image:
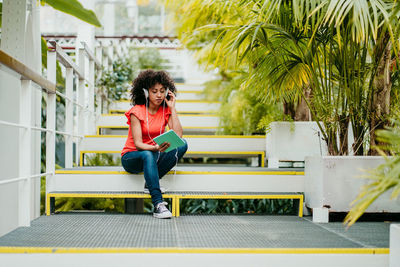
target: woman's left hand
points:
(171, 101)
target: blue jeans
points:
(154, 165)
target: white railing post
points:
(51, 122)
(81, 101)
(92, 115)
(25, 159)
(110, 53)
(99, 57)
(118, 49)
(69, 116)
(125, 51)
(105, 60)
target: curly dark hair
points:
(147, 79)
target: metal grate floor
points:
(92, 230)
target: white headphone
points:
(146, 95)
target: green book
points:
(172, 138)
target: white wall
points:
(21, 40)
(9, 152)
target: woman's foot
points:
(161, 211)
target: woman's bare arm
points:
(137, 137)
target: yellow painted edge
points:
(183, 115)
(189, 92)
(81, 155)
(198, 111)
(300, 197)
(178, 207)
(90, 172)
(122, 111)
(173, 206)
(101, 151)
(301, 203)
(263, 159)
(126, 127)
(186, 136)
(189, 172)
(227, 152)
(197, 101)
(96, 195)
(201, 127)
(110, 126)
(77, 250)
(188, 152)
(106, 136)
(111, 115)
(233, 196)
(199, 115)
(116, 111)
(178, 101)
(47, 205)
(224, 136)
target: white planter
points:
(334, 182)
(293, 141)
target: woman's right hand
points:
(162, 147)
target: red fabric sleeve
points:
(138, 111)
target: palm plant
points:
(332, 55)
(203, 32)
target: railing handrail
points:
(90, 55)
(26, 72)
(66, 60)
(18, 179)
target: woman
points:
(153, 97)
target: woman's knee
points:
(182, 149)
(147, 155)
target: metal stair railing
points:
(85, 104)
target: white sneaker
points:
(146, 190)
(161, 211)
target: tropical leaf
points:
(44, 52)
(74, 8)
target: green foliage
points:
(245, 114)
(44, 50)
(242, 111)
(384, 178)
(238, 206)
(102, 160)
(74, 8)
(100, 204)
(113, 85)
(147, 58)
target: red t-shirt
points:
(157, 123)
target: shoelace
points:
(162, 206)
